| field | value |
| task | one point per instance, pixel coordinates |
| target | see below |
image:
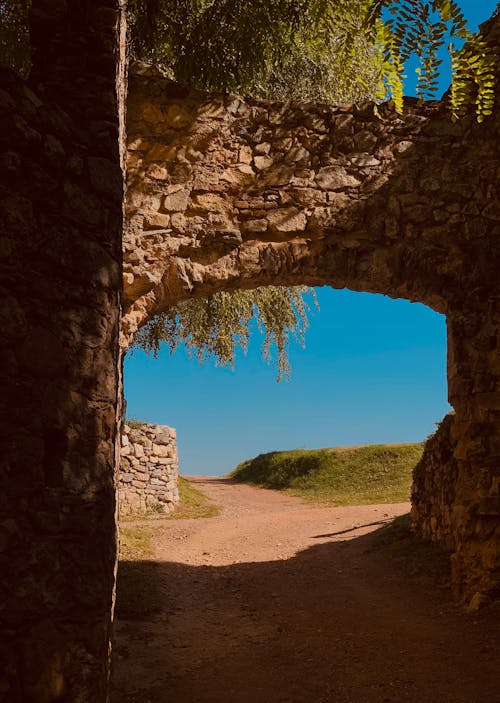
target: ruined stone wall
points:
(414, 214)
(434, 487)
(149, 470)
(61, 191)
(226, 193)
(474, 392)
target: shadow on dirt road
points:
(337, 623)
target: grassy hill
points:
(379, 473)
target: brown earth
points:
(278, 601)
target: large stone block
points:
(287, 220)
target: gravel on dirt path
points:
(276, 600)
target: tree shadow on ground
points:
(361, 620)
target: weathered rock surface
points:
(434, 487)
(149, 470)
(401, 205)
(223, 193)
(61, 192)
(227, 193)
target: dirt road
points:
(276, 601)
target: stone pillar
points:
(474, 392)
(61, 220)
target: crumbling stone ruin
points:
(222, 193)
(149, 469)
(434, 487)
(226, 193)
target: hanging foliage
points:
(219, 325)
(422, 28)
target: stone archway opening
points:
(62, 209)
(228, 193)
(271, 608)
(212, 619)
(154, 400)
(368, 362)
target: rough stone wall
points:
(61, 191)
(474, 392)
(227, 193)
(434, 487)
(149, 470)
(413, 214)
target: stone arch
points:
(225, 192)
(228, 193)
(61, 211)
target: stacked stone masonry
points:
(434, 487)
(61, 220)
(149, 470)
(225, 193)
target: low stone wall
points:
(434, 487)
(149, 470)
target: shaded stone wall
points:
(226, 193)
(474, 392)
(456, 491)
(149, 470)
(61, 218)
(434, 487)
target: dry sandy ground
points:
(275, 601)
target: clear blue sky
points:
(373, 370)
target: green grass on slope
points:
(379, 473)
(193, 503)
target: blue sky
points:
(475, 12)
(373, 370)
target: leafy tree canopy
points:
(331, 50)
